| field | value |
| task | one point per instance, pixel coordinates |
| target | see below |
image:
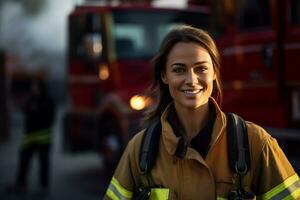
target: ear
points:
(163, 77)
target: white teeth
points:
(191, 91)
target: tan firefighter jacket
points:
(271, 176)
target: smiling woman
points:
(194, 155)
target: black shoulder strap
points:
(149, 146)
(237, 144)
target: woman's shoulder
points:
(259, 139)
(257, 130)
(257, 134)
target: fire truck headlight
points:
(139, 102)
(103, 72)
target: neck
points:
(192, 120)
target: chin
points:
(194, 105)
(191, 106)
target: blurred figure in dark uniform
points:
(39, 116)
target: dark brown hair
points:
(182, 33)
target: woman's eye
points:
(178, 70)
(200, 69)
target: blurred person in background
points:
(39, 113)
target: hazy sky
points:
(36, 39)
(45, 31)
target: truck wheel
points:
(111, 143)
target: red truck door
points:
(291, 59)
(249, 62)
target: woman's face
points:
(189, 73)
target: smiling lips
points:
(191, 92)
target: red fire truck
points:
(260, 42)
(110, 48)
(108, 70)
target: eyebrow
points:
(183, 65)
(178, 64)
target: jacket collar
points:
(171, 141)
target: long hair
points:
(182, 33)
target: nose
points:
(191, 77)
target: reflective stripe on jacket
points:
(271, 176)
(37, 137)
(288, 189)
(116, 192)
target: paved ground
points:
(74, 177)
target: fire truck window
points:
(129, 38)
(294, 12)
(253, 14)
(138, 34)
(85, 39)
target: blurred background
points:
(93, 56)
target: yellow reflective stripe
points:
(221, 198)
(279, 188)
(111, 194)
(116, 191)
(39, 137)
(37, 134)
(159, 194)
(42, 139)
(125, 193)
(42, 131)
(294, 195)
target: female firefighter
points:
(194, 152)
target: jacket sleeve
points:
(274, 177)
(123, 182)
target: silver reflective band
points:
(288, 192)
